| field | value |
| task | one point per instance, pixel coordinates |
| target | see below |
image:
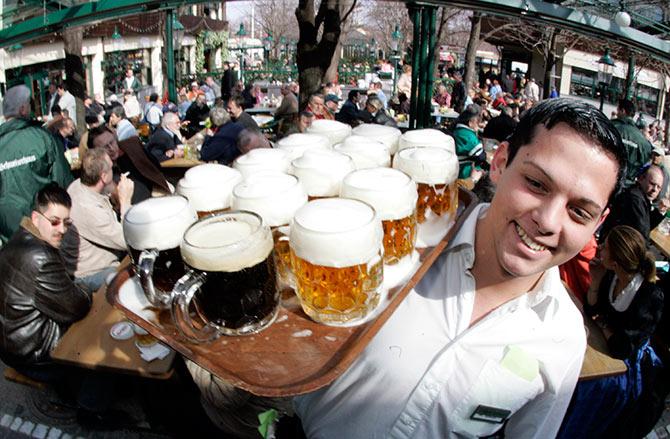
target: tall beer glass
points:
(262, 160)
(296, 144)
(388, 135)
(231, 287)
(321, 172)
(427, 137)
(209, 187)
(335, 131)
(435, 171)
(275, 197)
(393, 195)
(153, 230)
(336, 258)
(365, 152)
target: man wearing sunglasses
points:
(38, 298)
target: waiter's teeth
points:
(528, 241)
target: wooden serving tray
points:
(294, 355)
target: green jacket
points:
(30, 158)
(468, 149)
(638, 148)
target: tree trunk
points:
(75, 75)
(331, 72)
(549, 63)
(471, 51)
(314, 56)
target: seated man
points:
(633, 207)
(95, 240)
(39, 299)
(118, 121)
(300, 124)
(129, 156)
(237, 113)
(221, 142)
(489, 342)
(163, 142)
(378, 115)
(317, 107)
(349, 113)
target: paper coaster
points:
(121, 331)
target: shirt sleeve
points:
(102, 228)
(542, 417)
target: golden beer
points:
(335, 252)
(440, 199)
(282, 257)
(399, 238)
(337, 295)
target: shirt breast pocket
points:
(497, 387)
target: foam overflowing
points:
(321, 171)
(274, 196)
(428, 165)
(261, 160)
(296, 144)
(227, 242)
(209, 187)
(365, 152)
(390, 192)
(433, 229)
(158, 223)
(335, 131)
(336, 232)
(399, 273)
(428, 137)
(388, 135)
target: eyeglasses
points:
(55, 222)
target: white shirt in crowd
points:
(154, 113)
(68, 102)
(427, 371)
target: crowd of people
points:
(498, 282)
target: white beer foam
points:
(209, 186)
(390, 192)
(335, 131)
(321, 171)
(262, 160)
(274, 196)
(228, 242)
(158, 223)
(388, 135)
(428, 165)
(427, 137)
(336, 232)
(296, 144)
(365, 152)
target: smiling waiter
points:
(489, 341)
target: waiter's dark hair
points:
(585, 119)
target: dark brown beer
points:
(168, 268)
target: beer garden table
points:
(661, 241)
(175, 168)
(87, 343)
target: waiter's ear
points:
(499, 161)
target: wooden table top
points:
(180, 162)
(661, 241)
(87, 343)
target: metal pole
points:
(431, 12)
(602, 95)
(172, 87)
(395, 71)
(416, 19)
(630, 77)
(423, 74)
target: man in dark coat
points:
(196, 113)
(349, 113)
(237, 113)
(164, 141)
(221, 143)
(633, 207)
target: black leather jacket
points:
(38, 299)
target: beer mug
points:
(209, 187)
(296, 144)
(275, 197)
(335, 131)
(427, 137)
(335, 247)
(388, 135)
(153, 230)
(231, 286)
(365, 152)
(262, 160)
(321, 172)
(435, 171)
(393, 195)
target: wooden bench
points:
(14, 375)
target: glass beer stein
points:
(153, 230)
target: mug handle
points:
(145, 267)
(182, 295)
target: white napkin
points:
(156, 351)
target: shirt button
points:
(407, 420)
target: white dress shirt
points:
(68, 102)
(427, 371)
